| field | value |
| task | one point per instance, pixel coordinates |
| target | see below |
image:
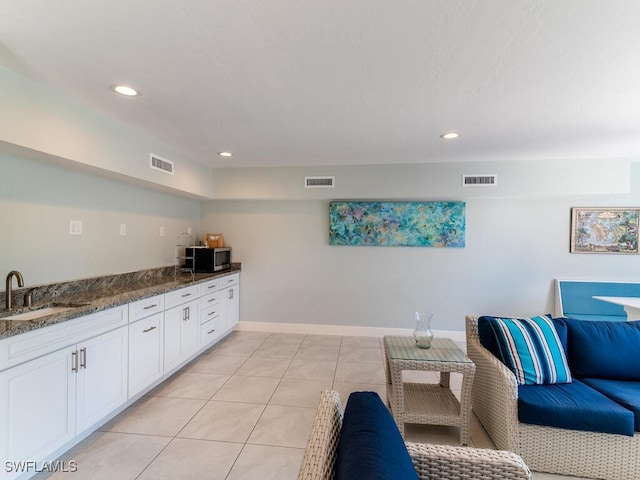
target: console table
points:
(428, 403)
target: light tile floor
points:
(243, 411)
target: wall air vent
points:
(484, 180)
(158, 163)
(319, 182)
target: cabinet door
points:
(37, 408)
(102, 376)
(181, 331)
(190, 329)
(229, 304)
(146, 347)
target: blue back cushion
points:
(573, 406)
(370, 445)
(622, 392)
(604, 349)
(531, 348)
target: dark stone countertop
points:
(100, 293)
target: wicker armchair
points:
(494, 399)
(432, 462)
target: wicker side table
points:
(428, 403)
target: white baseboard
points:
(344, 330)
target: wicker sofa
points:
(431, 462)
(494, 399)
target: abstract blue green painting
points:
(392, 224)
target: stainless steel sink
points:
(45, 312)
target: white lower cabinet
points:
(102, 376)
(37, 404)
(229, 302)
(47, 401)
(146, 352)
(181, 332)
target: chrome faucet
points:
(7, 292)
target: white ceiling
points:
(327, 82)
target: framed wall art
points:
(389, 224)
(604, 230)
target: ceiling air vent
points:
(485, 180)
(161, 164)
(319, 182)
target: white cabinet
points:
(102, 376)
(229, 301)
(146, 352)
(209, 312)
(49, 399)
(37, 408)
(181, 332)
(146, 342)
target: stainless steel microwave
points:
(205, 260)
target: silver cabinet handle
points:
(151, 306)
(186, 313)
(149, 329)
(186, 295)
(230, 293)
(212, 312)
(83, 358)
(212, 286)
(211, 300)
(74, 361)
(211, 331)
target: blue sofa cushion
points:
(609, 350)
(574, 406)
(531, 349)
(370, 444)
(623, 393)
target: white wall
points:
(37, 201)
(39, 122)
(516, 246)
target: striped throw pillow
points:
(531, 349)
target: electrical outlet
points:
(189, 230)
(161, 232)
(75, 227)
(123, 229)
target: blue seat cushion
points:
(574, 406)
(622, 392)
(608, 350)
(370, 444)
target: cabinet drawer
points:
(208, 332)
(228, 281)
(209, 313)
(208, 287)
(178, 297)
(29, 345)
(208, 300)
(146, 307)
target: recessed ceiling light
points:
(450, 135)
(225, 154)
(125, 90)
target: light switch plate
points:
(75, 227)
(123, 229)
